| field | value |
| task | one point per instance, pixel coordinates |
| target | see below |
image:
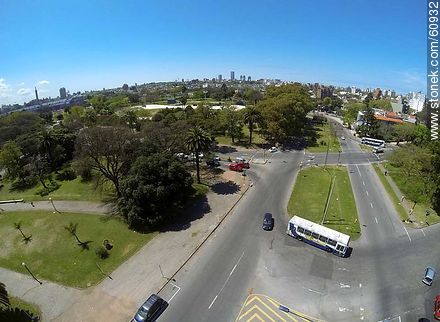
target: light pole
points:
(27, 268)
(339, 155)
(53, 205)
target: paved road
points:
(382, 278)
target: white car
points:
(273, 149)
(342, 138)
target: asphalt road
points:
(382, 278)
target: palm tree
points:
(251, 116)
(196, 141)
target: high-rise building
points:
(36, 94)
(232, 76)
(63, 92)
(220, 77)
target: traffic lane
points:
(205, 276)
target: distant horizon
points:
(356, 43)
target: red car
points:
(437, 307)
(236, 167)
(244, 164)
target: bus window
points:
(340, 247)
(300, 230)
(307, 232)
(323, 239)
(331, 242)
(315, 235)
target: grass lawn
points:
(69, 190)
(410, 190)
(319, 137)
(309, 197)
(53, 253)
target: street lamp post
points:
(53, 205)
(339, 155)
(33, 276)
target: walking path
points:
(118, 298)
(62, 206)
(396, 189)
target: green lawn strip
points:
(411, 191)
(53, 254)
(18, 303)
(324, 137)
(68, 190)
(397, 205)
(309, 197)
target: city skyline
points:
(102, 48)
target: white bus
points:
(373, 142)
(322, 237)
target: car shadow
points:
(224, 149)
(225, 188)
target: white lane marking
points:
(178, 289)
(309, 289)
(343, 269)
(376, 156)
(344, 309)
(366, 192)
(375, 218)
(360, 285)
(224, 284)
(371, 204)
(363, 182)
(358, 170)
(342, 285)
(407, 233)
(423, 232)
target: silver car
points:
(429, 276)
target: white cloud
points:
(43, 82)
(24, 91)
(20, 84)
(5, 89)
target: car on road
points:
(342, 138)
(437, 307)
(429, 276)
(378, 150)
(152, 308)
(273, 149)
(213, 162)
(234, 166)
(268, 221)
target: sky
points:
(94, 44)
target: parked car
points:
(192, 156)
(234, 166)
(213, 162)
(429, 276)
(273, 149)
(242, 161)
(437, 307)
(268, 221)
(152, 308)
(342, 138)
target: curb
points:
(203, 241)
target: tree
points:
(11, 161)
(72, 229)
(166, 137)
(154, 188)
(434, 175)
(197, 141)
(183, 99)
(351, 110)
(251, 116)
(132, 120)
(233, 123)
(404, 132)
(110, 150)
(284, 111)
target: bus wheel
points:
(300, 238)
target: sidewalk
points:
(118, 298)
(396, 190)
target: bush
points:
(66, 175)
(83, 168)
(102, 252)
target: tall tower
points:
(36, 94)
(63, 92)
(232, 76)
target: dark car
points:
(268, 221)
(213, 163)
(151, 309)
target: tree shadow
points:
(17, 315)
(225, 188)
(194, 211)
(27, 239)
(224, 149)
(85, 245)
